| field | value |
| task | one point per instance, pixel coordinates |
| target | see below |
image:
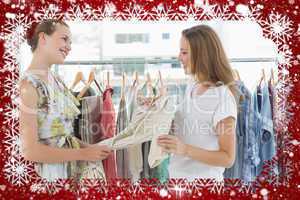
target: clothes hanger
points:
(148, 78)
(135, 78)
(263, 77)
(123, 86)
(272, 80)
(78, 78)
(98, 86)
(90, 81)
(163, 89)
(149, 84)
(108, 78)
(160, 78)
(92, 73)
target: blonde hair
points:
(208, 61)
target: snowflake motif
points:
(133, 13)
(192, 12)
(78, 13)
(254, 14)
(11, 115)
(15, 31)
(288, 167)
(163, 192)
(218, 187)
(270, 171)
(106, 13)
(51, 12)
(232, 185)
(207, 11)
(10, 63)
(287, 145)
(18, 171)
(285, 84)
(181, 14)
(278, 28)
(44, 186)
(222, 13)
(37, 187)
(97, 184)
(11, 86)
(199, 184)
(12, 142)
(17, 26)
(246, 188)
(136, 188)
(284, 57)
(283, 115)
(160, 12)
(179, 186)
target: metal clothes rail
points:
(158, 61)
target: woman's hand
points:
(96, 152)
(172, 144)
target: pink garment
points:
(109, 128)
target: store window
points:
(122, 38)
(166, 36)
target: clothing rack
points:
(160, 61)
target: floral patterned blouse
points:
(56, 110)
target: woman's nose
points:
(69, 47)
(179, 56)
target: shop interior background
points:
(149, 47)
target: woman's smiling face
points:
(58, 44)
(184, 54)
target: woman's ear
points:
(42, 38)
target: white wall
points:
(96, 40)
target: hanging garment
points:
(264, 127)
(241, 168)
(146, 170)
(91, 132)
(56, 110)
(78, 120)
(271, 96)
(134, 151)
(122, 157)
(159, 172)
(280, 137)
(86, 120)
(148, 123)
(109, 128)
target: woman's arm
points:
(35, 151)
(223, 157)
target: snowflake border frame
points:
(14, 34)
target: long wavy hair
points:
(208, 61)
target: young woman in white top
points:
(203, 144)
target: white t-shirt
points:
(194, 123)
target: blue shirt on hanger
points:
(241, 168)
(262, 128)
